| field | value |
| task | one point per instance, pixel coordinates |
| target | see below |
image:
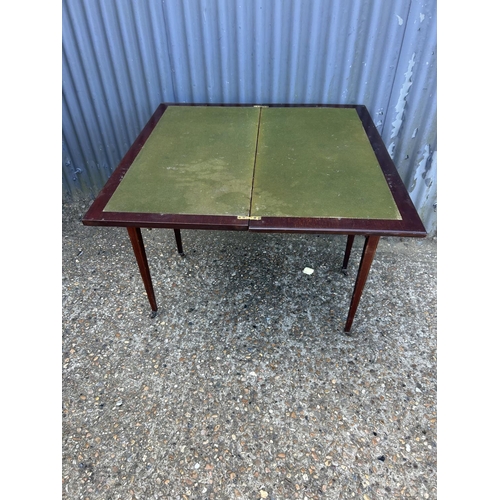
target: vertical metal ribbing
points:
(121, 58)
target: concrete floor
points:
(244, 386)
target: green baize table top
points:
(257, 161)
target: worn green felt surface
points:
(197, 160)
(318, 162)
(310, 162)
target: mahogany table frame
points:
(409, 225)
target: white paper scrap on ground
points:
(308, 270)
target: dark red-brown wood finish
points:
(410, 224)
(367, 256)
(142, 261)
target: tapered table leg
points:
(347, 254)
(178, 240)
(142, 261)
(369, 249)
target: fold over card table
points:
(277, 168)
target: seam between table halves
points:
(254, 164)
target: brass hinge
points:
(248, 217)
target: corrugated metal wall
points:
(121, 58)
